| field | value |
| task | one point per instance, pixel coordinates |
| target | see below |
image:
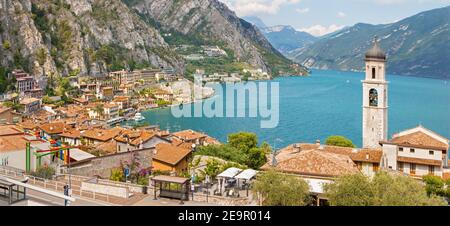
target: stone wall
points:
(122, 192)
(101, 166)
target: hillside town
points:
(75, 147)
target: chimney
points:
(296, 148)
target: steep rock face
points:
(19, 37)
(79, 37)
(214, 20)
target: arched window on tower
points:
(373, 98)
(373, 73)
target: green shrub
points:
(340, 141)
(45, 172)
(6, 45)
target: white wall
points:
(390, 156)
(420, 153)
(421, 170)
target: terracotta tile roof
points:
(80, 100)
(212, 140)
(135, 137)
(313, 162)
(102, 134)
(419, 161)
(179, 143)
(28, 125)
(14, 143)
(27, 101)
(419, 139)
(53, 128)
(357, 155)
(7, 130)
(367, 155)
(110, 105)
(73, 133)
(170, 154)
(121, 99)
(3, 109)
(108, 147)
(188, 135)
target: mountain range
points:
(418, 46)
(286, 38)
(71, 37)
(283, 37)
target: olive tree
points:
(278, 189)
(382, 190)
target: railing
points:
(133, 187)
(59, 186)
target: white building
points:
(416, 152)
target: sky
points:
(320, 17)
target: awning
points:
(230, 172)
(247, 174)
(170, 179)
(79, 155)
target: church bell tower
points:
(375, 98)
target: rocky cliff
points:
(73, 37)
(213, 20)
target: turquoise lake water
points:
(328, 103)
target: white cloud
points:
(341, 14)
(299, 10)
(319, 30)
(251, 7)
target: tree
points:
(278, 189)
(382, 190)
(401, 191)
(212, 168)
(340, 141)
(99, 110)
(243, 141)
(241, 148)
(41, 57)
(256, 158)
(350, 190)
(435, 185)
(5, 83)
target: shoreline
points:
(214, 92)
